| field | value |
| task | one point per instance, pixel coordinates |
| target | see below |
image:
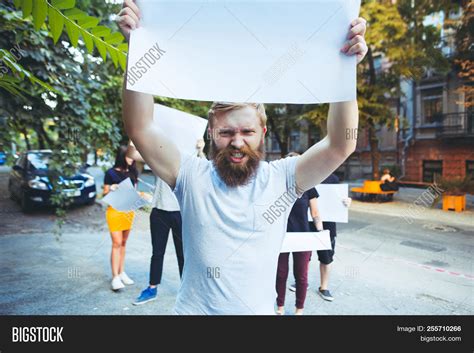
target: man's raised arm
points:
(159, 152)
(323, 158)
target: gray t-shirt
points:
(163, 197)
(230, 249)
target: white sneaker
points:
(117, 283)
(125, 279)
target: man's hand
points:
(128, 18)
(347, 202)
(356, 44)
(318, 223)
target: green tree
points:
(75, 104)
(463, 59)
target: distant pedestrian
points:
(326, 257)
(164, 217)
(120, 223)
(389, 182)
(297, 222)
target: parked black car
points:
(30, 185)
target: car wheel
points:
(91, 201)
(25, 204)
(10, 191)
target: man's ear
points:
(264, 130)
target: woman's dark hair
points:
(121, 163)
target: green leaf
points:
(114, 38)
(89, 42)
(63, 4)
(17, 3)
(113, 55)
(122, 61)
(11, 85)
(75, 14)
(123, 47)
(101, 48)
(72, 32)
(37, 81)
(56, 23)
(40, 11)
(26, 7)
(19, 73)
(100, 31)
(88, 22)
(7, 59)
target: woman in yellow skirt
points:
(120, 223)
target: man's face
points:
(237, 145)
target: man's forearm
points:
(156, 149)
(137, 110)
(343, 121)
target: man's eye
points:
(248, 132)
(225, 133)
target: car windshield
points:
(39, 161)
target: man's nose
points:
(237, 141)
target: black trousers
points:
(160, 223)
(326, 256)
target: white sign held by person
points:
(125, 198)
(306, 241)
(330, 205)
(266, 51)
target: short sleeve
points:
(312, 193)
(291, 173)
(286, 169)
(184, 175)
(108, 180)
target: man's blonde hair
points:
(219, 108)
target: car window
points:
(39, 161)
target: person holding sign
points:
(325, 257)
(230, 251)
(297, 222)
(165, 216)
(120, 223)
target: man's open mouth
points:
(236, 156)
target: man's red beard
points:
(236, 174)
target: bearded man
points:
(231, 244)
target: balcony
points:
(455, 125)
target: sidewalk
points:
(405, 198)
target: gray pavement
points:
(384, 264)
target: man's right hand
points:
(128, 18)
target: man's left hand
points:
(356, 44)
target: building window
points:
(432, 105)
(274, 143)
(430, 169)
(295, 141)
(378, 63)
(313, 136)
(470, 169)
